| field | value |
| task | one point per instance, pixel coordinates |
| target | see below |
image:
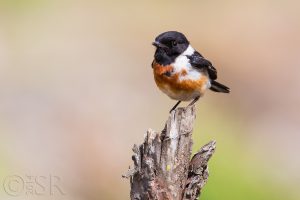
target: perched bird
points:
(180, 71)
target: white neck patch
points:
(183, 63)
(189, 51)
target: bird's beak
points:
(158, 44)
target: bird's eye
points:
(174, 43)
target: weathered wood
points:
(162, 166)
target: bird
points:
(180, 71)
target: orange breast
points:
(173, 85)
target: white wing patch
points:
(183, 63)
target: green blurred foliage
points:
(20, 3)
(235, 173)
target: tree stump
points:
(163, 169)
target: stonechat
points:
(180, 71)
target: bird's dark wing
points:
(198, 62)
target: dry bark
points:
(163, 169)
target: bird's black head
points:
(169, 45)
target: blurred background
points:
(77, 91)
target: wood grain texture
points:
(163, 169)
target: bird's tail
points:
(218, 87)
